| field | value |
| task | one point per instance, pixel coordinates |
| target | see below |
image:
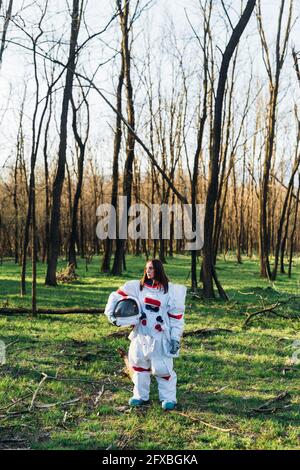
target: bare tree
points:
(115, 173)
(291, 251)
(130, 140)
(274, 81)
(208, 270)
(5, 28)
(81, 143)
(17, 178)
(60, 175)
(286, 209)
(37, 124)
(194, 180)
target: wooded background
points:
(195, 104)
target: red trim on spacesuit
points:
(121, 292)
(158, 286)
(140, 369)
(148, 300)
(178, 317)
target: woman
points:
(155, 339)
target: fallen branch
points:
(7, 407)
(265, 407)
(220, 389)
(124, 441)
(12, 439)
(99, 395)
(68, 379)
(45, 377)
(47, 311)
(11, 414)
(212, 426)
(200, 332)
(270, 309)
(197, 296)
(206, 332)
(51, 405)
(10, 344)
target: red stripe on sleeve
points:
(121, 292)
(178, 317)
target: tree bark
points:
(130, 142)
(115, 174)
(82, 146)
(5, 28)
(294, 230)
(265, 269)
(208, 271)
(60, 175)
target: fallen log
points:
(266, 407)
(265, 311)
(127, 369)
(270, 309)
(206, 332)
(47, 311)
(200, 332)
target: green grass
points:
(221, 377)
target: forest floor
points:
(62, 385)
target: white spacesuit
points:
(160, 327)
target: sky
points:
(153, 25)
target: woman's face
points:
(150, 270)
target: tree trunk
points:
(265, 269)
(209, 274)
(283, 216)
(47, 189)
(5, 27)
(81, 145)
(294, 229)
(285, 235)
(115, 176)
(130, 143)
(60, 175)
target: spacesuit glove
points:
(113, 320)
(175, 345)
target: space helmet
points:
(127, 312)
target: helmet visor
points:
(126, 308)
